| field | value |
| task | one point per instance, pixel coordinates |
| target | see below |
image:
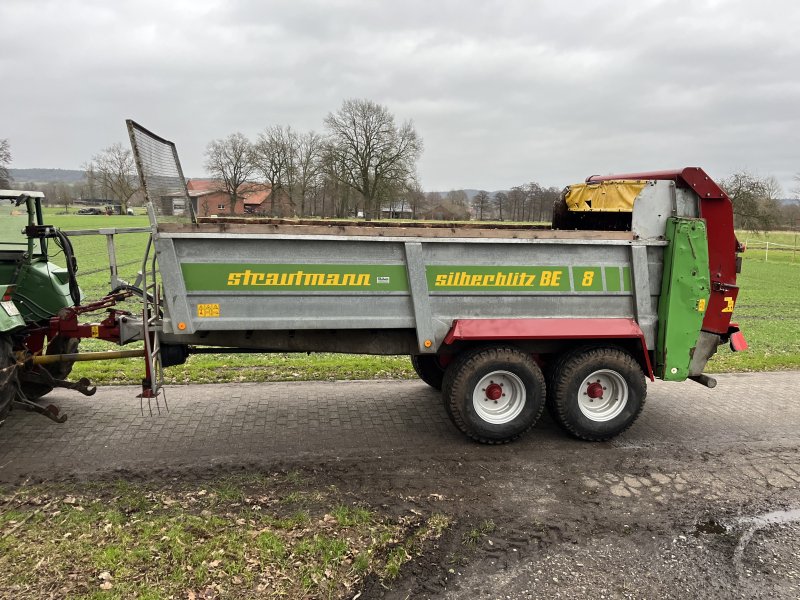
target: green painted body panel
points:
(393, 278)
(685, 290)
(7, 270)
(10, 319)
(42, 290)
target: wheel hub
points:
(594, 390)
(494, 391)
(499, 397)
(603, 395)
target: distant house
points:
(396, 213)
(208, 198)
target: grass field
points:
(768, 310)
(248, 536)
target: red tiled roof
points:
(256, 198)
(203, 185)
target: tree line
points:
(362, 164)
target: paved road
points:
(280, 422)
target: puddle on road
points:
(711, 526)
(777, 517)
(714, 527)
(773, 518)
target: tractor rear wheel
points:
(8, 376)
(35, 390)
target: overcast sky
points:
(501, 92)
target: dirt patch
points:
(634, 523)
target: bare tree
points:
(308, 166)
(516, 199)
(336, 193)
(754, 200)
(552, 194)
(415, 198)
(115, 169)
(230, 161)
(89, 189)
(64, 195)
(373, 151)
(500, 202)
(481, 203)
(274, 156)
(457, 198)
(5, 160)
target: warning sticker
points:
(207, 310)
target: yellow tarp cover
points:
(605, 196)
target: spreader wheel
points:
(494, 395)
(597, 393)
(429, 370)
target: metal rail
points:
(113, 266)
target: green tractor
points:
(33, 292)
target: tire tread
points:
(457, 374)
(567, 367)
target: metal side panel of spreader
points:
(233, 282)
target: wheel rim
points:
(603, 395)
(499, 397)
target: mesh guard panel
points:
(160, 175)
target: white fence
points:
(782, 251)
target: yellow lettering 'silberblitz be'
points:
(512, 279)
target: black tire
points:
(509, 405)
(34, 391)
(551, 370)
(597, 410)
(429, 370)
(8, 376)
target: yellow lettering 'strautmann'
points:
(298, 278)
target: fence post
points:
(112, 260)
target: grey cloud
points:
(501, 92)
